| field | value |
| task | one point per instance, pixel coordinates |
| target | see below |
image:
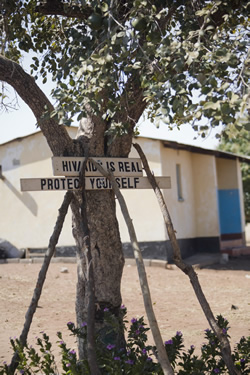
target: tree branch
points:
(42, 276)
(188, 270)
(56, 135)
(58, 8)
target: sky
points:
(21, 122)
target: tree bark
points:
(57, 137)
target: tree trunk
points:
(105, 243)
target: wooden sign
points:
(71, 166)
(91, 183)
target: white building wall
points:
(240, 186)
(142, 204)
(28, 218)
(205, 188)
(181, 211)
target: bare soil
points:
(226, 287)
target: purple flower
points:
(178, 333)
(21, 371)
(72, 351)
(83, 324)
(68, 365)
(149, 359)
(144, 351)
(110, 346)
(133, 320)
(129, 361)
(169, 342)
(192, 347)
(242, 360)
(224, 331)
(61, 342)
(137, 332)
(106, 309)
(123, 307)
(216, 371)
(70, 324)
(207, 330)
(117, 358)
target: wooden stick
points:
(42, 276)
(188, 269)
(86, 248)
(162, 354)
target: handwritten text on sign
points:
(91, 183)
(71, 166)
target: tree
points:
(110, 61)
(241, 145)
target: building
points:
(205, 200)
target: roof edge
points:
(205, 151)
(168, 144)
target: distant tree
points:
(181, 60)
(241, 145)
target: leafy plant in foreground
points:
(136, 357)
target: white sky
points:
(21, 122)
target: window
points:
(179, 185)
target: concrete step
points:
(236, 251)
(35, 255)
(30, 254)
(231, 243)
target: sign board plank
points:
(71, 166)
(92, 183)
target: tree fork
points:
(188, 269)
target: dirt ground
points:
(174, 301)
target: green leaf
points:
(211, 105)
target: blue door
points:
(229, 212)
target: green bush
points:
(135, 358)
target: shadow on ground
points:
(241, 263)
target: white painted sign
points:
(71, 166)
(91, 183)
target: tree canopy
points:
(185, 61)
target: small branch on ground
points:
(41, 277)
(188, 269)
(162, 354)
